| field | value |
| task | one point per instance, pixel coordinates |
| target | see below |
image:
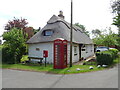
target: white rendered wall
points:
(32, 52)
(75, 58)
(89, 51)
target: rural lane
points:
(25, 79)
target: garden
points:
(104, 60)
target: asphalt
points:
(26, 79)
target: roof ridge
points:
(55, 19)
(62, 30)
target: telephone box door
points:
(60, 54)
(64, 53)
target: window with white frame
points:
(48, 33)
(75, 50)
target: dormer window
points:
(48, 33)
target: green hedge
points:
(7, 56)
(106, 57)
(114, 53)
(10, 56)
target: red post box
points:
(45, 53)
(60, 53)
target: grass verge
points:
(49, 68)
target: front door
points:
(80, 45)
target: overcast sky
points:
(90, 13)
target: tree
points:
(116, 6)
(108, 40)
(116, 9)
(96, 32)
(14, 46)
(16, 23)
(37, 30)
(20, 24)
(116, 20)
(83, 28)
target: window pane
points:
(75, 49)
(48, 33)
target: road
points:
(26, 79)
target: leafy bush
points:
(106, 57)
(7, 55)
(24, 58)
(14, 46)
(114, 52)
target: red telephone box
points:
(60, 54)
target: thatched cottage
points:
(57, 27)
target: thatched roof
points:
(61, 29)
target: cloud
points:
(91, 13)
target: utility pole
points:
(71, 32)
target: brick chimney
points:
(61, 14)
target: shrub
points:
(7, 55)
(24, 58)
(106, 57)
(114, 53)
(14, 46)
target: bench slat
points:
(34, 58)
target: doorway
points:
(80, 45)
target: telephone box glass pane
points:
(65, 54)
(57, 53)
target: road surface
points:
(26, 79)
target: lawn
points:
(49, 68)
(117, 60)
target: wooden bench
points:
(40, 62)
